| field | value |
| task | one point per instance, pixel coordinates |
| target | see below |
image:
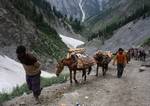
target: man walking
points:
(32, 69)
(121, 60)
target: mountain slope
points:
(115, 11)
(73, 7)
(68, 8)
(28, 22)
(130, 35)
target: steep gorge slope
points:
(115, 11)
(130, 35)
(28, 22)
(96, 15)
(134, 34)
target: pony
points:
(102, 60)
(73, 67)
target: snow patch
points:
(12, 74)
(47, 75)
(71, 42)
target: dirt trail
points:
(133, 89)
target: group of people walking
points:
(33, 67)
(123, 58)
(137, 54)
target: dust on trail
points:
(133, 89)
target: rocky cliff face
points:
(91, 7)
(67, 7)
(72, 7)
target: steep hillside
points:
(116, 11)
(130, 35)
(68, 8)
(101, 15)
(133, 34)
(78, 8)
(28, 22)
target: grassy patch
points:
(146, 42)
(45, 82)
(54, 80)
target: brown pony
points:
(102, 61)
(72, 68)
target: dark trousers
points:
(120, 69)
(33, 83)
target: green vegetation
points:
(45, 82)
(75, 24)
(57, 13)
(40, 13)
(146, 42)
(54, 48)
(108, 30)
(112, 18)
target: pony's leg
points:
(84, 75)
(106, 68)
(97, 70)
(90, 68)
(103, 70)
(71, 76)
(75, 77)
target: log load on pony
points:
(102, 60)
(75, 61)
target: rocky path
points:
(133, 89)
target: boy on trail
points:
(32, 70)
(121, 60)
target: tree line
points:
(107, 32)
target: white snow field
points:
(12, 74)
(71, 42)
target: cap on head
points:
(120, 50)
(20, 49)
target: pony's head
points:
(59, 67)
